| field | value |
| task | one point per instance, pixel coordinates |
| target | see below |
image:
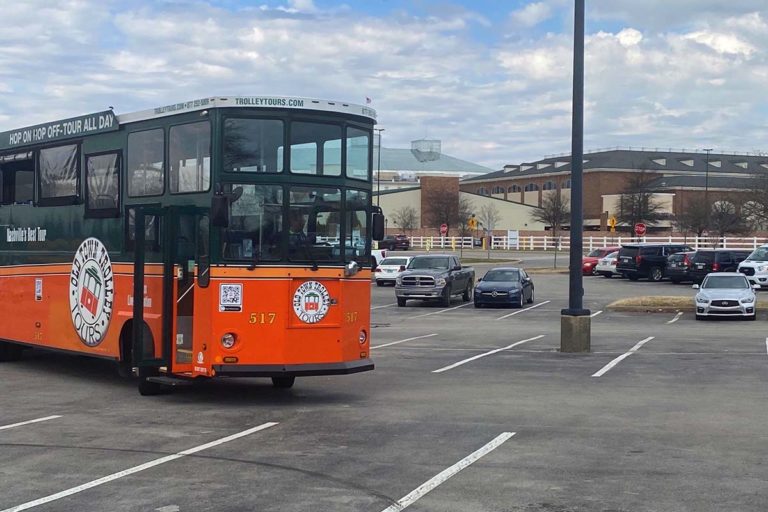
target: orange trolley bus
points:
(226, 236)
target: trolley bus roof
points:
(98, 122)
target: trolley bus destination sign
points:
(88, 124)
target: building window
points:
(59, 170)
(514, 188)
(566, 184)
(531, 187)
(498, 190)
(146, 171)
(482, 191)
(102, 185)
(550, 185)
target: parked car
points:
(705, 261)
(390, 268)
(508, 286)
(377, 255)
(646, 260)
(725, 294)
(755, 267)
(678, 267)
(395, 242)
(606, 266)
(589, 262)
(435, 277)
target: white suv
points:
(755, 267)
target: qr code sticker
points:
(231, 295)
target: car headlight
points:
(399, 281)
(440, 281)
(701, 300)
(748, 300)
(762, 268)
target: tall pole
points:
(575, 322)
(706, 188)
(378, 170)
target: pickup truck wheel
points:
(467, 293)
(400, 302)
(445, 300)
(9, 352)
(655, 274)
(379, 283)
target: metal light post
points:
(575, 326)
(706, 187)
(378, 170)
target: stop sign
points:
(443, 229)
(639, 229)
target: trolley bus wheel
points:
(283, 382)
(9, 351)
(149, 388)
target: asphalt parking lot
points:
(467, 410)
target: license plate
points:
(699, 266)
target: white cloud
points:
(532, 14)
(722, 43)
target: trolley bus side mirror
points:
(220, 211)
(378, 226)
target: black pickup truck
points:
(435, 277)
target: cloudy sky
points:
(490, 78)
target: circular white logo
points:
(91, 291)
(311, 301)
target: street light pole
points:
(706, 187)
(575, 326)
(378, 170)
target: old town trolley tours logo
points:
(311, 301)
(91, 291)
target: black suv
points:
(394, 242)
(705, 261)
(679, 267)
(646, 260)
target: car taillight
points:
(377, 269)
(686, 261)
(638, 260)
(402, 268)
(715, 267)
(613, 262)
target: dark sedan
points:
(508, 286)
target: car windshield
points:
(394, 261)
(433, 262)
(759, 254)
(502, 275)
(729, 282)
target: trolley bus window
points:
(358, 147)
(316, 149)
(17, 182)
(146, 173)
(253, 145)
(357, 244)
(255, 224)
(190, 157)
(59, 170)
(314, 230)
(102, 185)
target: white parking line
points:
(523, 310)
(616, 361)
(385, 306)
(465, 361)
(135, 469)
(21, 424)
(403, 341)
(410, 498)
(441, 311)
(593, 315)
(677, 317)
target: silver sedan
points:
(725, 294)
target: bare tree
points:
(725, 220)
(694, 217)
(755, 207)
(637, 204)
(555, 212)
(406, 218)
(489, 217)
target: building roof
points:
(424, 162)
(669, 161)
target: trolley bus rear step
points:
(169, 381)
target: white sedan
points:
(606, 266)
(725, 294)
(390, 268)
